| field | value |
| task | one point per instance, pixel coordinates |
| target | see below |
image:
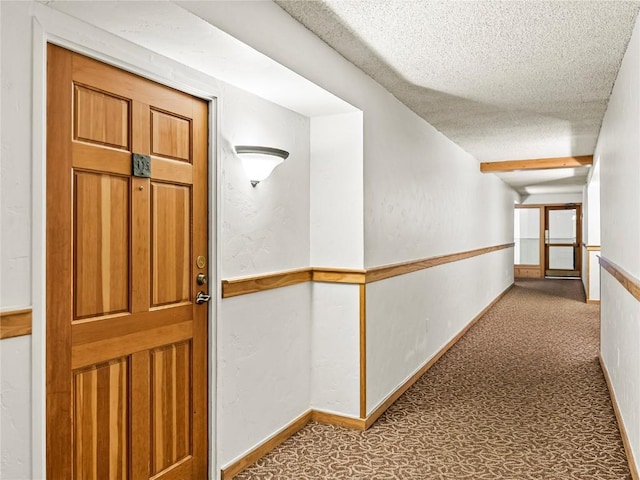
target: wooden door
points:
(126, 341)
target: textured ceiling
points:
(503, 79)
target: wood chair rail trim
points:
(268, 281)
(387, 271)
(15, 323)
(628, 281)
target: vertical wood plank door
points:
(126, 340)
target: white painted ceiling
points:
(505, 80)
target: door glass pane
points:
(561, 258)
(562, 226)
(526, 234)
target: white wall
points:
(411, 317)
(415, 182)
(337, 229)
(335, 348)
(264, 340)
(15, 412)
(263, 366)
(337, 240)
(591, 233)
(264, 228)
(618, 150)
(592, 213)
(410, 203)
(594, 276)
(15, 236)
(584, 275)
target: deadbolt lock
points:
(201, 279)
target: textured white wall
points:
(15, 194)
(584, 274)
(593, 208)
(263, 367)
(618, 150)
(591, 233)
(15, 412)
(337, 191)
(413, 191)
(415, 182)
(411, 317)
(264, 349)
(266, 228)
(15, 236)
(335, 349)
(619, 338)
(594, 276)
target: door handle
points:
(202, 297)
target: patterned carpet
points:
(520, 396)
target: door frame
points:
(51, 26)
(577, 250)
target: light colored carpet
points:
(520, 396)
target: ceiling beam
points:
(536, 164)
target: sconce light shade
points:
(259, 162)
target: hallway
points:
(520, 396)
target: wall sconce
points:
(259, 162)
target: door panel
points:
(126, 344)
(171, 402)
(170, 242)
(101, 240)
(101, 118)
(101, 447)
(170, 136)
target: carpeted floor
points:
(520, 396)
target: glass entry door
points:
(562, 241)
